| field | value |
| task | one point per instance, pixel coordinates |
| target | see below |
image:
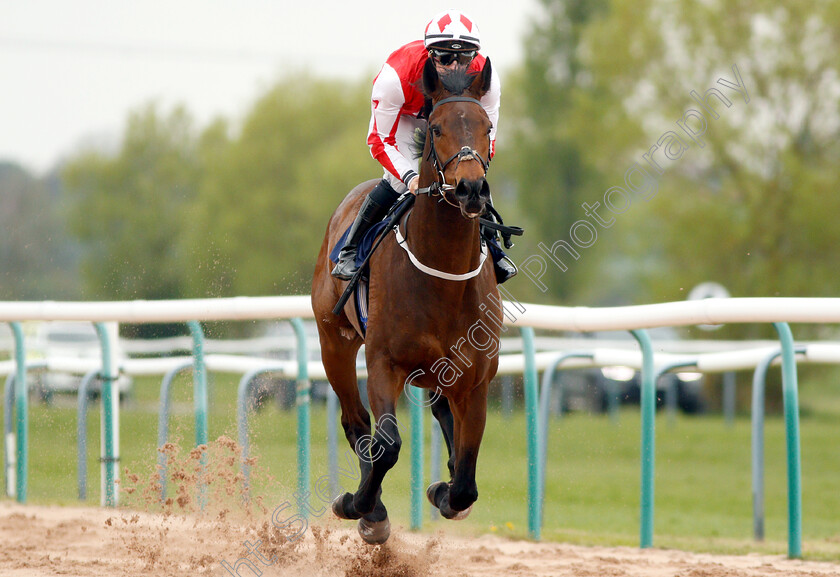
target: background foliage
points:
(239, 207)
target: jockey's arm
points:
(491, 102)
(387, 100)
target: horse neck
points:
(441, 237)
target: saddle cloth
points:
(365, 247)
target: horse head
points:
(457, 147)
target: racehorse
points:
(419, 324)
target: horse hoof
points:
(438, 495)
(374, 532)
(342, 507)
(432, 491)
(453, 515)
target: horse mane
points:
(419, 142)
(455, 81)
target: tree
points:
(751, 198)
(266, 196)
(546, 155)
(37, 258)
(716, 122)
(129, 210)
(177, 213)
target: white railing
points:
(580, 319)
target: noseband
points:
(440, 187)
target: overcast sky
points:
(71, 70)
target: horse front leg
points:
(380, 451)
(339, 357)
(455, 499)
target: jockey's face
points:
(448, 58)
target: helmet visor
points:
(448, 57)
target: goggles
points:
(448, 57)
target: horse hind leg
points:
(374, 526)
(443, 413)
(366, 503)
(437, 492)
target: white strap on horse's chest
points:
(437, 273)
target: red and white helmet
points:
(450, 27)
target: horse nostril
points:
(472, 188)
(462, 189)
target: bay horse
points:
(417, 320)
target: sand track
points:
(95, 542)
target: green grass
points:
(703, 495)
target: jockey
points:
(451, 39)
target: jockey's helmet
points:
(452, 31)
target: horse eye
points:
(436, 130)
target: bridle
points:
(440, 187)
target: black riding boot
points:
(374, 207)
(504, 267)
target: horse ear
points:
(431, 79)
(481, 84)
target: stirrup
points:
(345, 268)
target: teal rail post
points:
(163, 421)
(648, 409)
(9, 445)
(671, 391)
(110, 450)
(417, 493)
(21, 414)
(435, 450)
(332, 442)
(531, 425)
(302, 400)
(243, 392)
(200, 403)
(199, 383)
(791, 404)
(729, 397)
